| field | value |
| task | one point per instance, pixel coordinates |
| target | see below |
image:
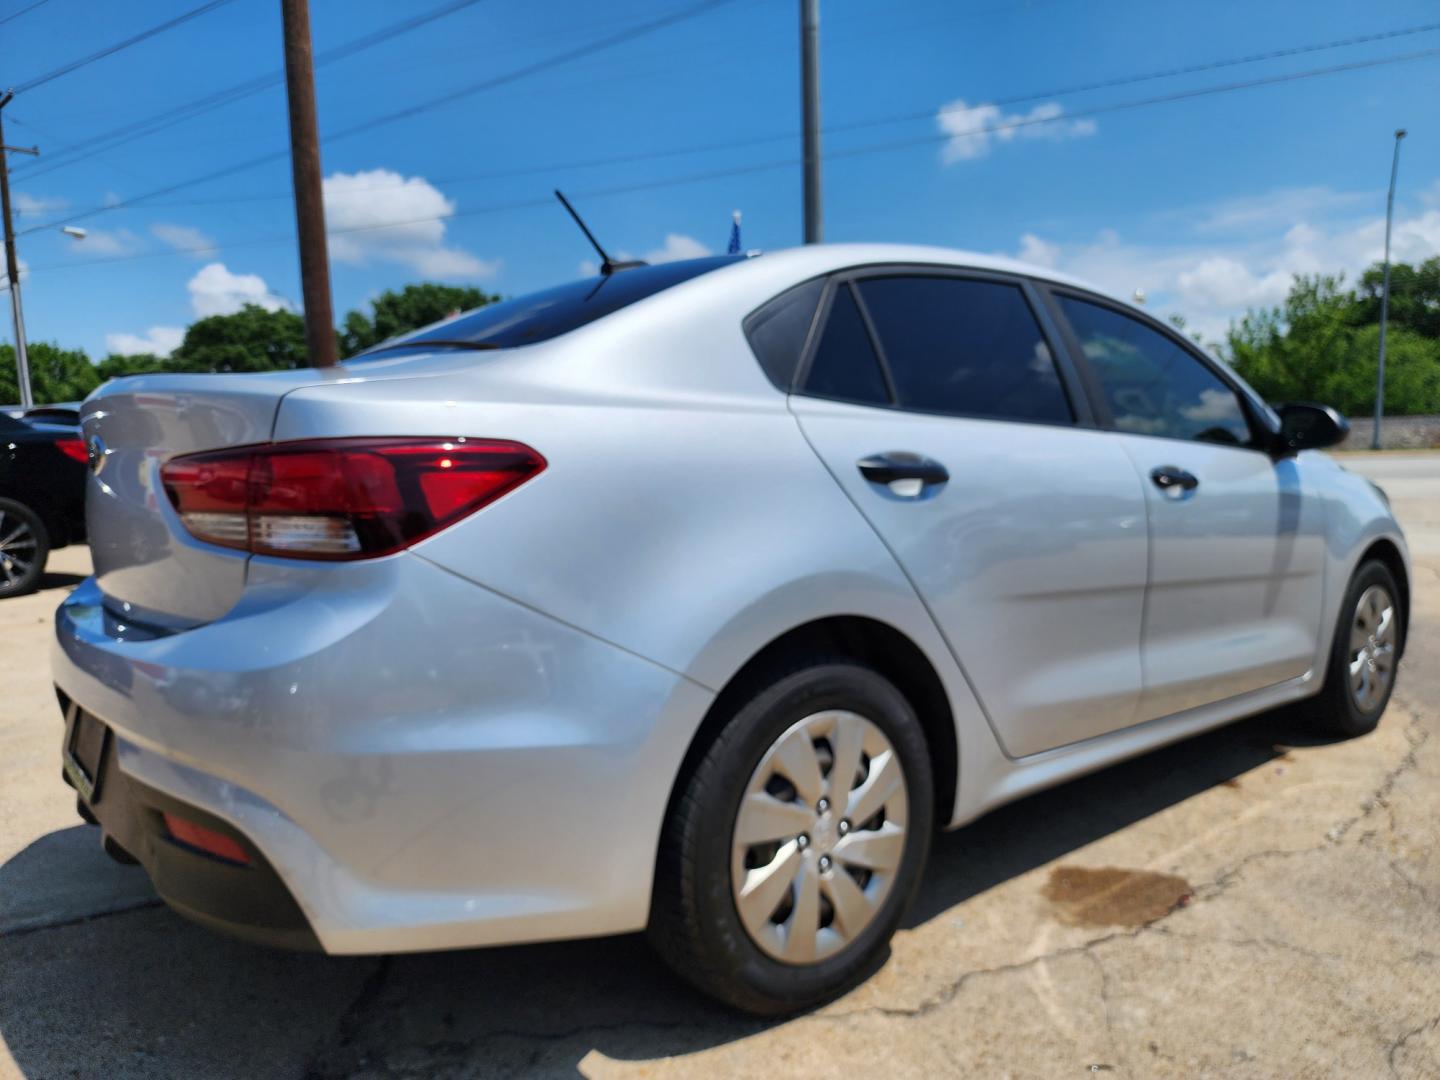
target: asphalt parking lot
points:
(1255, 902)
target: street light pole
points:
(1385, 292)
(810, 97)
(12, 264)
(309, 197)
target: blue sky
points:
(1209, 204)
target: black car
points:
(42, 498)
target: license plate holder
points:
(87, 741)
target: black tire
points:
(694, 924)
(31, 549)
(1335, 709)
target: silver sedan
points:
(692, 598)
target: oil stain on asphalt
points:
(1113, 896)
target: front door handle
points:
(904, 473)
(1172, 477)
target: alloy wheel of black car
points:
(24, 547)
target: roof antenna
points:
(608, 265)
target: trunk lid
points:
(148, 566)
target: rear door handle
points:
(907, 475)
(1172, 477)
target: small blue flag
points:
(734, 248)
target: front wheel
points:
(1364, 653)
(797, 843)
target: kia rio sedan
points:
(690, 598)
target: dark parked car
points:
(42, 498)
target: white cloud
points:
(1212, 281)
(5, 275)
(37, 204)
(1039, 252)
(973, 129)
(183, 238)
(677, 246)
(160, 340)
(105, 242)
(214, 290)
(379, 215)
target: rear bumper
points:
(423, 763)
(249, 901)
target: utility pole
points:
(810, 97)
(12, 264)
(1385, 292)
(309, 199)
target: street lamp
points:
(1385, 292)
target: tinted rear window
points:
(965, 347)
(845, 365)
(777, 332)
(540, 316)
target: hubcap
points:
(819, 837)
(17, 551)
(1372, 648)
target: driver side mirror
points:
(1304, 426)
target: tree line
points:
(252, 339)
(1322, 344)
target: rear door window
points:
(778, 331)
(845, 365)
(967, 347)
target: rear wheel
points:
(24, 547)
(1364, 654)
(797, 842)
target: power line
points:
(894, 118)
(136, 129)
(792, 162)
(22, 11)
(525, 70)
(111, 50)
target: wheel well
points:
(1386, 552)
(867, 642)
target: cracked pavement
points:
(1292, 883)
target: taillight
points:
(341, 498)
(73, 447)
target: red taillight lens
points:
(72, 447)
(341, 498)
(207, 840)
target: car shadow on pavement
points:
(142, 992)
(55, 579)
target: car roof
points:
(815, 259)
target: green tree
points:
(56, 374)
(252, 339)
(411, 308)
(1323, 343)
(116, 365)
(1414, 296)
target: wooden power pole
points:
(12, 264)
(309, 198)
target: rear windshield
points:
(544, 315)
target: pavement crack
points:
(350, 1022)
(1115, 1052)
(948, 993)
(1399, 1044)
(80, 920)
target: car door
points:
(941, 407)
(1236, 542)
